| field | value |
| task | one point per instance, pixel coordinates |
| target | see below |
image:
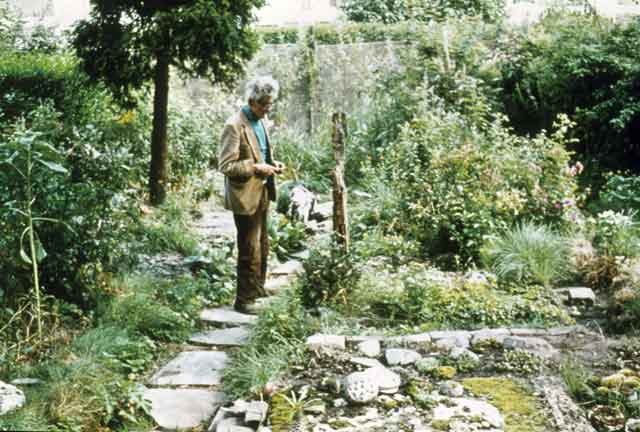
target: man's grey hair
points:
(260, 87)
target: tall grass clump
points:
(276, 341)
(528, 253)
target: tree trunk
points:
(159, 149)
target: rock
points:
(339, 403)
(256, 412)
(301, 203)
(26, 381)
(427, 364)
(11, 398)
(226, 316)
(581, 296)
(232, 424)
(360, 387)
(416, 339)
(437, 335)
(323, 211)
(564, 412)
(396, 356)
(534, 345)
(321, 342)
(238, 408)
(633, 425)
(291, 267)
(480, 336)
(192, 368)
(478, 278)
(369, 348)
(470, 410)
(182, 408)
(365, 361)
(234, 336)
(526, 332)
(387, 380)
(451, 389)
(459, 353)
(449, 343)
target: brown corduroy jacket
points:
(239, 152)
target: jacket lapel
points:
(250, 135)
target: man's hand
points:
(279, 167)
(265, 170)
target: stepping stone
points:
(275, 284)
(234, 336)
(219, 223)
(302, 255)
(175, 409)
(226, 316)
(192, 368)
(288, 268)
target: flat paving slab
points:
(179, 409)
(192, 368)
(275, 284)
(288, 268)
(226, 316)
(234, 336)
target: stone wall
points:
(347, 73)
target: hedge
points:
(331, 34)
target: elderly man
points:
(246, 160)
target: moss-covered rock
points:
(519, 407)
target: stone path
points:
(185, 392)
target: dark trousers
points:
(253, 252)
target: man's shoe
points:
(247, 308)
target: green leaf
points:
(24, 256)
(53, 166)
(41, 253)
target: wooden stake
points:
(340, 224)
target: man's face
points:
(261, 107)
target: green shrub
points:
(392, 11)
(528, 253)
(330, 274)
(421, 296)
(460, 184)
(331, 34)
(140, 314)
(584, 66)
(620, 193)
(616, 234)
(287, 236)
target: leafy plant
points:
(528, 253)
(330, 274)
(621, 193)
(28, 152)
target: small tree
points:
(129, 43)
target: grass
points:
(276, 341)
(528, 253)
(521, 410)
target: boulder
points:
(396, 356)
(369, 348)
(360, 387)
(11, 398)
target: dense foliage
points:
(583, 66)
(392, 11)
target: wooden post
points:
(340, 225)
